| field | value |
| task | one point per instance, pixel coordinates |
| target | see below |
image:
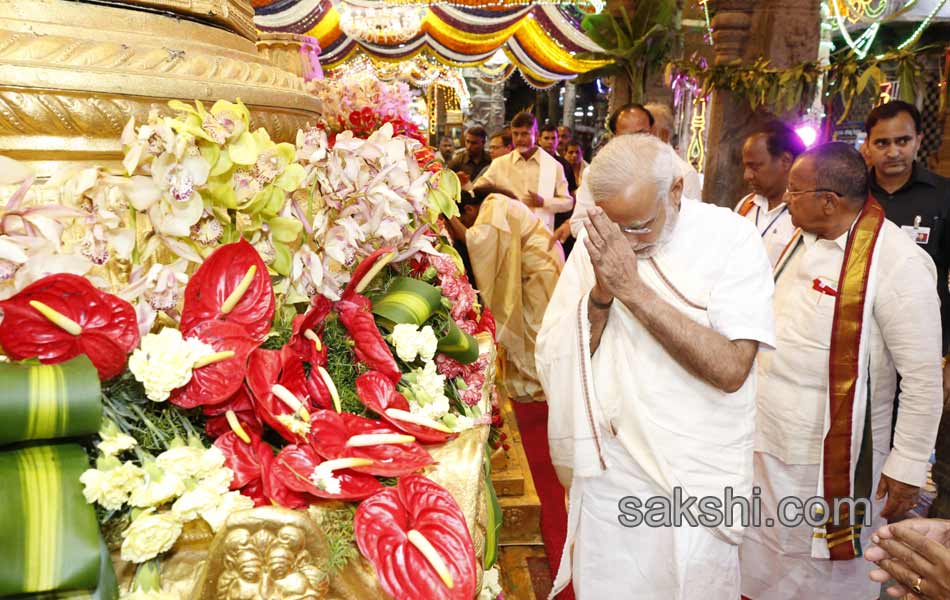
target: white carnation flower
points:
(228, 503)
(219, 480)
(431, 382)
(212, 460)
(427, 343)
(183, 461)
(193, 502)
(149, 535)
(163, 362)
(113, 443)
(110, 488)
(158, 489)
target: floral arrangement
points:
(272, 323)
(362, 103)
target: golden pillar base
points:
(72, 74)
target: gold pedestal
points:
(72, 74)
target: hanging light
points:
(379, 22)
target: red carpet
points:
(533, 423)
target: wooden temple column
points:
(785, 32)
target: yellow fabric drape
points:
(515, 273)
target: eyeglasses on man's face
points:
(789, 192)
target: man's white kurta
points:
(774, 226)
(654, 425)
(777, 562)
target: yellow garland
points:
(542, 49)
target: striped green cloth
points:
(45, 402)
(50, 534)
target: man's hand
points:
(901, 497)
(560, 234)
(913, 553)
(614, 261)
(533, 199)
(463, 177)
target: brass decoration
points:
(283, 49)
(72, 74)
(267, 552)
(234, 15)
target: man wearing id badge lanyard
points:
(919, 202)
(767, 157)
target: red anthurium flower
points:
(416, 537)
(241, 407)
(63, 315)
(368, 268)
(345, 435)
(222, 376)
(283, 397)
(370, 347)
(296, 467)
(244, 459)
(253, 466)
(231, 285)
(380, 396)
(274, 487)
(305, 341)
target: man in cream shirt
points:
(767, 157)
(855, 304)
(529, 174)
(645, 354)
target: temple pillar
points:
(785, 32)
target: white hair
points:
(662, 116)
(630, 161)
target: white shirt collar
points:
(841, 241)
(763, 203)
(534, 157)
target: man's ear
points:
(676, 192)
(787, 161)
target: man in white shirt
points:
(855, 304)
(767, 157)
(529, 173)
(645, 354)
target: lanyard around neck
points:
(758, 209)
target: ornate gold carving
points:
(283, 49)
(236, 15)
(267, 552)
(71, 76)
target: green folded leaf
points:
(407, 300)
(51, 536)
(43, 402)
(494, 518)
(458, 345)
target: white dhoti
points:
(632, 421)
(777, 562)
(612, 561)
